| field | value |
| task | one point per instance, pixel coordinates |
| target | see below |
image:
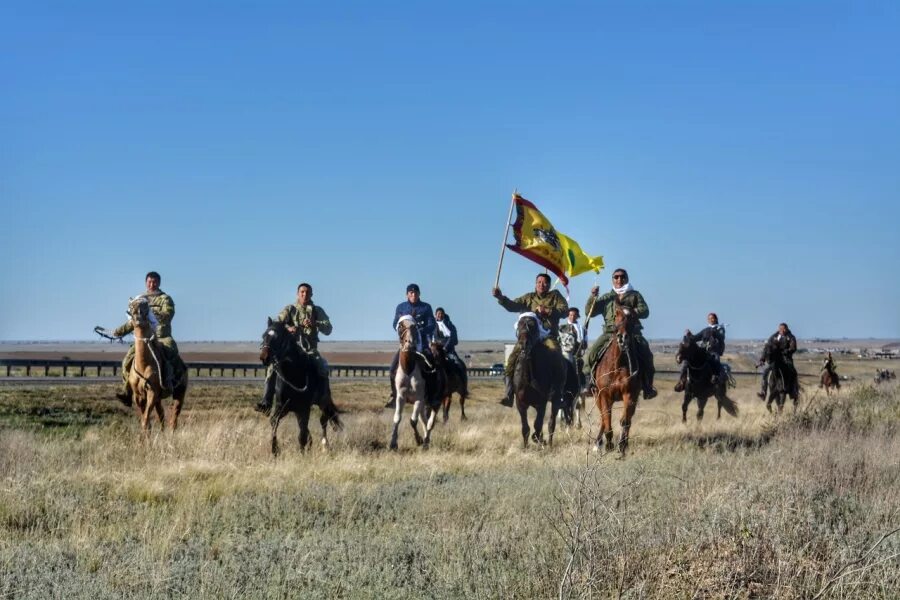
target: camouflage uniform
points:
(552, 300)
(606, 305)
(293, 315)
(163, 308)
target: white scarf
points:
(542, 333)
(621, 290)
(445, 331)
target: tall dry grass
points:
(750, 507)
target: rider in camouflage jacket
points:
(163, 308)
(549, 305)
(305, 320)
(606, 305)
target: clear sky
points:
(740, 157)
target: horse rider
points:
(784, 343)
(445, 334)
(605, 305)
(305, 320)
(162, 309)
(424, 318)
(712, 339)
(549, 305)
(572, 338)
(828, 365)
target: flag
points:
(538, 240)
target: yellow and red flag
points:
(538, 240)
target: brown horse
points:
(538, 378)
(145, 377)
(457, 381)
(411, 386)
(616, 377)
(830, 381)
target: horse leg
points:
(160, 412)
(175, 407)
(430, 419)
(701, 406)
(274, 420)
(629, 405)
(323, 421)
(684, 405)
(445, 405)
(398, 413)
(414, 421)
(551, 426)
(462, 404)
(604, 406)
(537, 435)
(303, 423)
(523, 415)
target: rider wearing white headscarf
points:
(605, 305)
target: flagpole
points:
(512, 204)
(587, 320)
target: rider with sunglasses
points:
(606, 305)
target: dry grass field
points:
(802, 506)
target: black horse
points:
(538, 379)
(298, 385)
(701, 371)
(782, 380)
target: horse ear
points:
(270, 321)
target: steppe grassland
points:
(753, 506)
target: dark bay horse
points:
(456, 378)
(412, 371)
(298, 385)
(538, 379)
(616, 377)
(782, 381)
(699, 384)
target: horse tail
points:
(728, 405)
(332, 413)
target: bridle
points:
(272, 359)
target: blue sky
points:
(740, 157)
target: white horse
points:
(410, 382)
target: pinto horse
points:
(616, 377)
(699, 384)
(145, 377)
(412, 388)
(538, 378)
(298, 385)
(456, 378)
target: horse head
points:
(527, 332)
(276, 341)
(408, 334)
(438, 351)
(688, 347)
(139, 311)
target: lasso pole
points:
(512, 204)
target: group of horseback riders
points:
(306, 321)
(550, 306)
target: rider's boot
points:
(124, 394)
(265, 405)
(507, 399)
(649, 390)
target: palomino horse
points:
(616, 377)
(538, 378)
(456, 377)
(411, 386)
(145, 377)
(298, 385)
(829, 381)
(699, 382)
